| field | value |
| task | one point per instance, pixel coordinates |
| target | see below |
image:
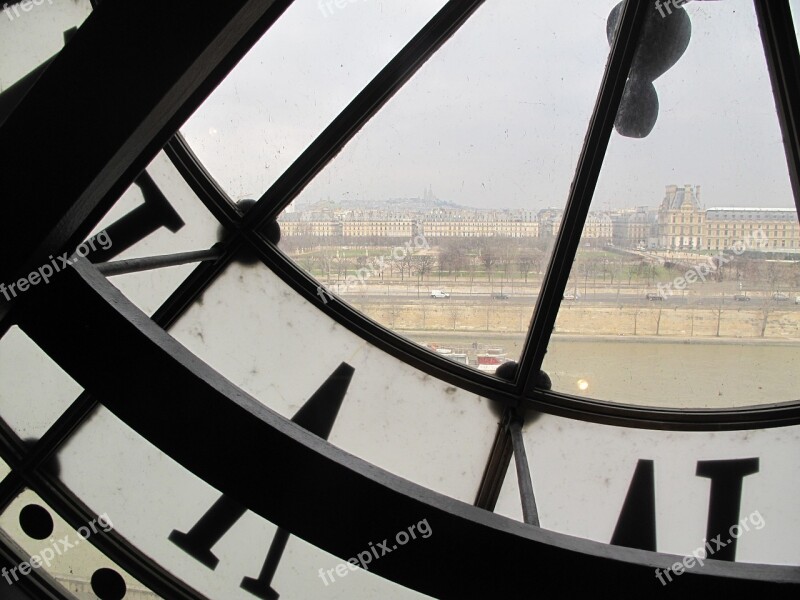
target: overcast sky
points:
(497, 117)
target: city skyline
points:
(679, 222)
(309, 204)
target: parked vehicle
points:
(491, 359)
(741, 297)
(654, 296)
(459, 357)
(780, 297)
(439, 294)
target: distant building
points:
(680, 219)
(683, 225)
(635, 228)
(550, 222)
(679, 223)
(325, 228)
(598, 227)
(394, 228)
(775, 229)
(479, 228)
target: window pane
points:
(293, 83)
(435, 220)
(692, 303)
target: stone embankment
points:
(678, 322)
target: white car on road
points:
(439, 294)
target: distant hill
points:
(389, 204)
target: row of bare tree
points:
(505, 258)
(453, 258)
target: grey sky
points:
(497, 118)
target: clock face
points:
(297, 353)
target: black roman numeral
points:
(317, 415)
(725, 499)
(636, 526)
(154, 213)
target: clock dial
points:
(252, 432)
(259, 430)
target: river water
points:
(657, 372)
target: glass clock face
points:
(392, 249)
